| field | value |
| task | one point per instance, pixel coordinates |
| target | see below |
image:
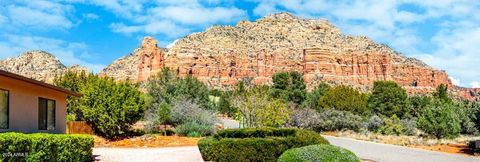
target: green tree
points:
(418, 103)
(313, 97)
(289, 86)
(258, 109)
(440, 120)
(166, 87)
(111, 108)
(75, 82)
(344, 98)
(388, 99)
(441, 93)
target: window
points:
(46, 114)
(4, 94)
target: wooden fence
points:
(78, 127)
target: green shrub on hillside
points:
(313, 97)
(392, 126)
(265, 144)
(46, 147)
(344, 98)
(289, 86)
(440, 119)
(333, 120)
(388, 99)
(318, 153)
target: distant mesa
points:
(223, 55)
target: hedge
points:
(249, 144)
(318, 153)
(45, 147)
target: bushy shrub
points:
(318, 153)
(157, 115)
(333, 120)
(111, 107)
(410, 126)
(249, 144)
(313, 97)
(391, 126)
(374, 123)
(194, 129)
(344, 98)
(188, 111)
(388, 99)
(440, 120)
(166, 86)
(305, 118)
(46, 147)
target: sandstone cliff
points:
(223, 55)
(38, 65)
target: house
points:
(31, 106)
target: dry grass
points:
(149, 140)
(458, 145)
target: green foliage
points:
(111, 108)
(318, 153)
(344, 98)
(392, 126)
(265, 144)
(75, 82)
(289, 86)
(159, 115)
(374, 123)
(440, 120)
(418, 103)
(313, 97)
(188, 111)
(224, 105)
(468, 112)
(167, 87)
(258, 109)
(333, 120)
(442, 93)
(46, 147)
(388, 99)
(191, 129)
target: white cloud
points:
(172, 44)
(68, 53)
(171, 19)
(455, 81)
(475, 84)
(91, 16)
(39, 14)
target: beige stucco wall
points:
(23, 111)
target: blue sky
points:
(93, 33)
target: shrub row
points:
(45, 147)
(318, 153)
(264, 144)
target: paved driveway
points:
(364, 149)
(168, 154)
(391, 153)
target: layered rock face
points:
(38, 65)
(223, 55)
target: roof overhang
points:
(38, 83)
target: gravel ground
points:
(391, 153)
(167, 154)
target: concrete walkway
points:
(167, 154)
(391, 153)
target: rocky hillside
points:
(38, 65)
(223, 55)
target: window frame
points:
(8, 108)
(46, 114)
